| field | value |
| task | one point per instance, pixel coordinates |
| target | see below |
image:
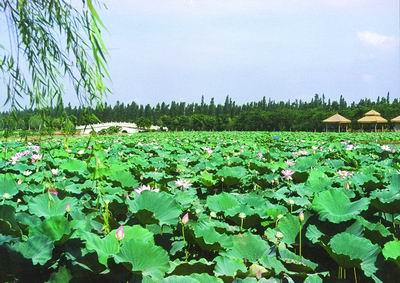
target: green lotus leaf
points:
(104, 247)
(313, 278)
(352, 251)
(136, 232)
(228, 266)
(193, 278)
(8, 222)
(318, 181)
(38, 248)
(335, 206)
(163, 207)
(4, 239)
(289, 225)
(295, 262)
(313, 234)
(61, 276)
(374, 227)
(207, 179)
(388, 200)
(44, 206)
(224, 202)
(248, 246)
(54, 228)
(124, 178)
(232, 175)
(205, 229)
(391, 250)
(304, 164)
(271, 262)
(74, 166)
(145, 257)
(183, 267)
(8, 186)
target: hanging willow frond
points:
(50, 43)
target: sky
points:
(164, 50)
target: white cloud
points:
(378, 40)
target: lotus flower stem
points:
(300, 239)
(355, 275)
(301, 218)
(185, 220)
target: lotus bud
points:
(301, 216)
(213, 214)
(185, 219)
(19, 200)
(120, 233)
(291, 202)
(279, 235)
(53, 191)
(242, 215)
(19, 182)
(68, 208)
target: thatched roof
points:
(337, 119)
(372, 120)
(372, 113)
(372, 117)
(396, 120)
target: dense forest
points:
(266, 114)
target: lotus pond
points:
(201, 207)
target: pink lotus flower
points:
(120, 233)
(349, 147)
(208, 150)
(185, 219)
(18, 156)
(344, 174)
(36, 157)
(54, 172)
(387, 148)
(143, 188)
(35, 148)
(53, 191)
(184, 184)
(290, 163)
(287, 174)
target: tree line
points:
(264, 115)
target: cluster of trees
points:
(267, 114)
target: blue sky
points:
(163, 50)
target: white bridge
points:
(125, 127)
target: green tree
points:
(48, 42)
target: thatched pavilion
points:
(338, 120)
(372, 118)
(396, 122)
